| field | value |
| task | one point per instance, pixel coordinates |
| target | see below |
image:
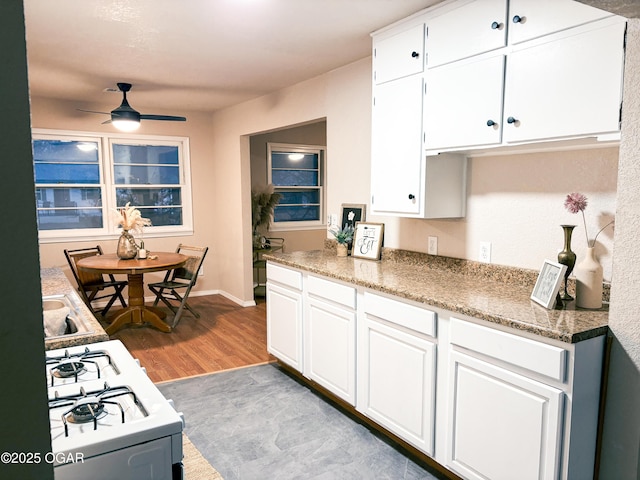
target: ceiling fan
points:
(126, 118)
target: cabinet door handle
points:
(415, 54)
(518, 19)
(511, 120)
(490, 123)
(496, 25)
(411, 196)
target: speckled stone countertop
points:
(493, 293)
(54, 282)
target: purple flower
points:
(575, 202)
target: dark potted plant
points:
(263, 203)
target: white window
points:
(80, 180)
(297, 174)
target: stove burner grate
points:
(90, 406)
(74, 365)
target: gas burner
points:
(74, 365)
(68, 368)
(86, 410)
(90, 406)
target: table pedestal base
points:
(138, 316)
(136, 313)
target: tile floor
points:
(258, 423)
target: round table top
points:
(110, 263)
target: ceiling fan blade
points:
(106, 121)
(170, 118)
(92, 111)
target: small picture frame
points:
(549, 279)
(367, 240)
(353, 213)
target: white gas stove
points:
(108, 420)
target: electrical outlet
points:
(432, 248)
(201, 271)
(333, 220)
(485, 252)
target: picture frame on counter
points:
(548, 284)
(353, 213)
(367, 240)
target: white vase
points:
(588, 275)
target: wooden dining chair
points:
(94, 286)
(174, 290)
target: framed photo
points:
(548, 283)
(367, 240)
(353, 213)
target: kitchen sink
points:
(62, 317)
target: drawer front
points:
(535, 356)
(284, 276)
(395, 311)
(342, 294)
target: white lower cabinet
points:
(330, 337)
(502, 425)
(396, 383)
(486, 402)
(284, 315)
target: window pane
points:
(66, 219)
(295, 177)
(146, 154)
(128, 174)
(299, 197)
(163, 216)
(286, 160)
(296, 213)
(148, 197)
(67, 197)
(57, 161)
(65, 151)
(66, 173)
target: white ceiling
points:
(195, 54)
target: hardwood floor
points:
(226, 336)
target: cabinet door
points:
(529, 19)
(502, 425)
(567, 86)
(330, 348)
(396, 150)
(284, 324)
(400, 55)
(472, 28)
(463, 104)
(397, 384)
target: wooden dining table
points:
(136, 313)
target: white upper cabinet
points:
(532, 19)
(474, 115)
(565, 85)
(399, 55)
(469, 29)
(396, 156)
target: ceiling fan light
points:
(126, 125)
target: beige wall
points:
(61, 115)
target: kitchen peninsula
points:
(447, 355)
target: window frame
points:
(108, 186)
(320, 150)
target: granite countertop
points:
(54, 282)
(493, 293)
